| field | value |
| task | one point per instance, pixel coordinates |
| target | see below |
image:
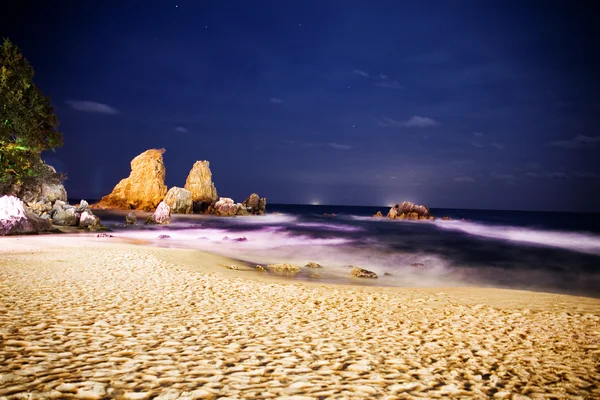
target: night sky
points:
(458, 104)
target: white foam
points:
(330, 227)
(580, 242)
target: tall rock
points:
(145, 187)
(255, 205)
(199, 183)
(179, 200)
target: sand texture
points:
(89, 319)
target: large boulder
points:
(87, 219)
(179, 200)
(255, 205)
(362, 273)
(408, 210)
(65, 216)
(15, 219)
(162, 215)
(145, 187)
(226, 207)
(199, 183)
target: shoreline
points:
(84, 317)
(188, 259)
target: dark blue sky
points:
(467, 104)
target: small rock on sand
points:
(232, 266)
(313, 265)
(362, 273)
(283, 268)
(260, 268)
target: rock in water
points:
(226, 207)
(255, 205)
(145, 187)
(408, 210)
(16, 220)
(180, 200)
(162, 215)
(362, 273)
(199, 183)
(378, 214)
(131, 219)
(312, 264)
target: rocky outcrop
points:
(15, 219)
(162, 215)
(131, 219)
(145, 187)
(408, 210)
(179, 200)
(226, 207)
(378, 214)
(255, 205)
(362, 273)
(199, 183)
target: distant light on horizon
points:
(315, 203)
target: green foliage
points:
(28, 124)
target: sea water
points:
(545, 251)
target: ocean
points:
(542, 251)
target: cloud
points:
(340, 146)
(361, 73)
(91, 107)
(464, 179)
(557, 175)
(499, 146)
(421, 122)
(578, 142)
(393, 177)
(533, 175)
(276, 100)
(413, 122)
(477, 134)
(388, 83)
(586, 175)
(181, 129)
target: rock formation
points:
(378, 214)
(145, 187)
(255, 205)
(162, 215)
(408, 210)
(226, 207)
(179, 200)
(16, 220)
(199, 183)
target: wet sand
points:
(93, 318)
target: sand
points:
(90, 318)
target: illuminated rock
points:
(16, 220)
(226, 207)
(199, 183)
(65, 217)
(378, 214)
(162, 215)
(145, 187)
(88, 219)
(283, 269)
(180, 200)
(408, 210)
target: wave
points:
(580, 242)
(331, 227)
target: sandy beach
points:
(95, 318)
